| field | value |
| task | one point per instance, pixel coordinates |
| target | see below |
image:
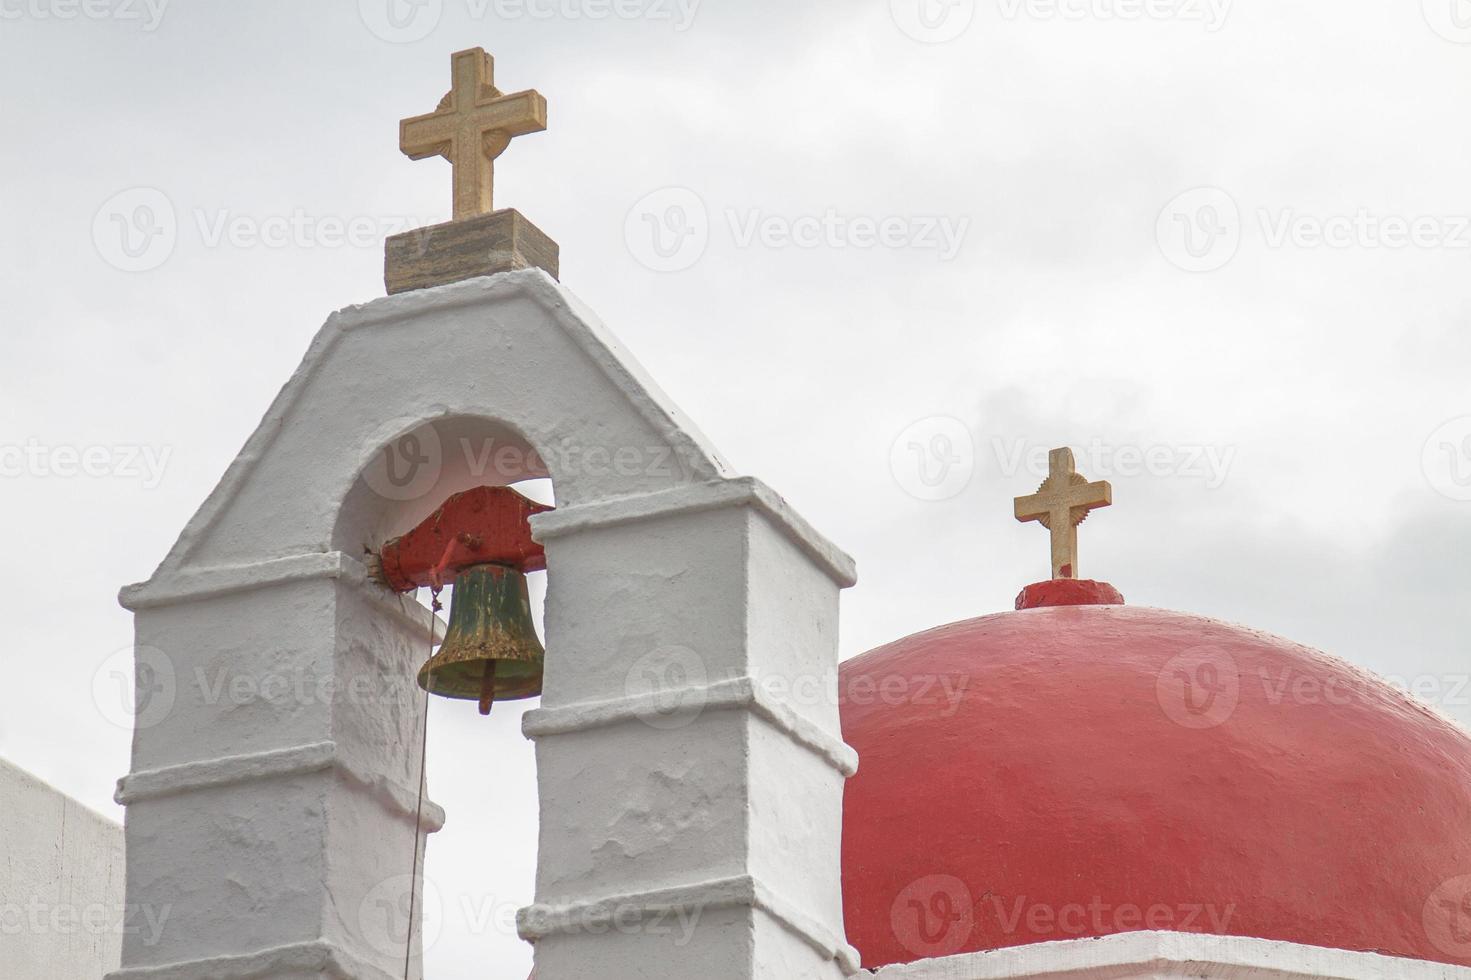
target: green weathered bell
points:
(490, 651)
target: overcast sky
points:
(884, 254)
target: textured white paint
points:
(707, 795)
(1171, 956)
(61, 884)
(742, 694)
(702, 842)
(306, 759)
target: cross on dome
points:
(472, 126)
(1060, 504)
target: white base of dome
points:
(1168, 956)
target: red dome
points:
(1077, 771)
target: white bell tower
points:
(688, 750)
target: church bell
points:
(490, 651)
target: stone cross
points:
(1061, 503)
(472, 126)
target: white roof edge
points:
(26, 776)
(1128, 954)
(580, 324)
(731, 492)
(606, 350)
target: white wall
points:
(61, 884)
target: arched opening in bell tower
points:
(458, 899)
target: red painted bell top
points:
(475, 527)
(1078, 770)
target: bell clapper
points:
(487, 688)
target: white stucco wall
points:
(61, 884)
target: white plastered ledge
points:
(1171, 956)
